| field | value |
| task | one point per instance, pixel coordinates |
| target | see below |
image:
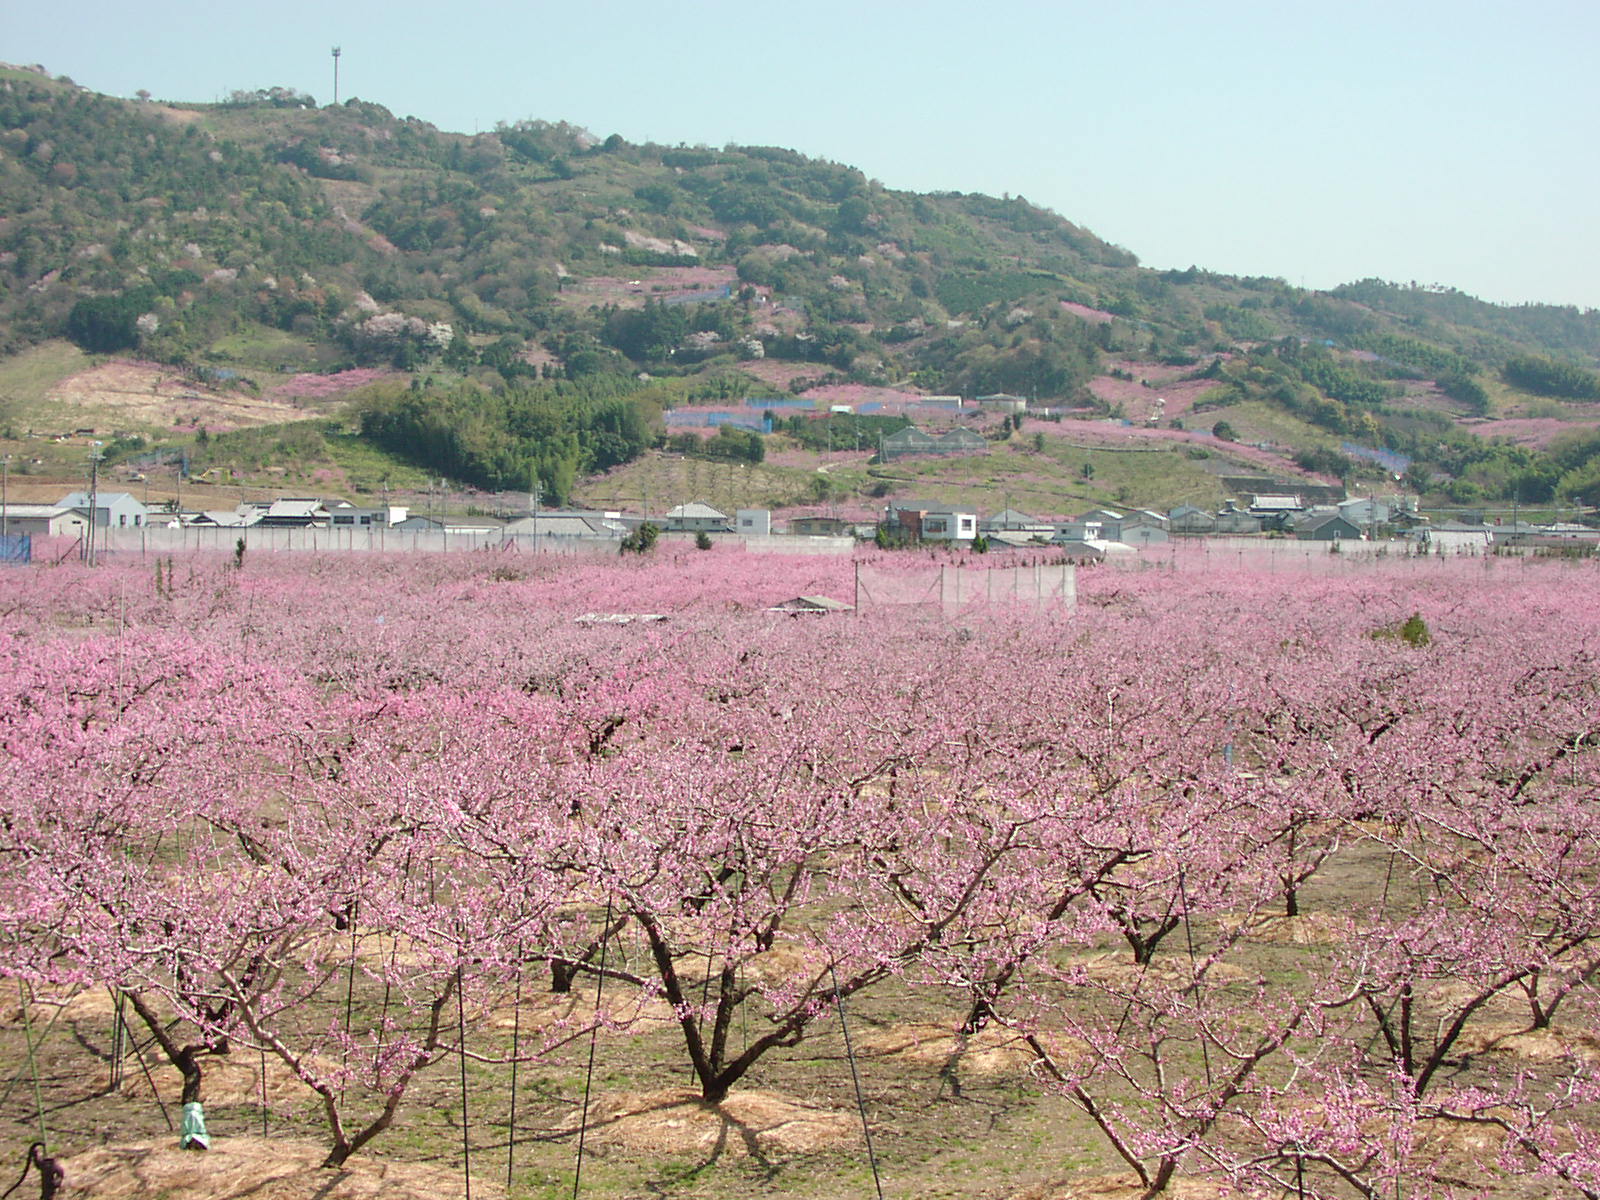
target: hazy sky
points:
(1446, 141)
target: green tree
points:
(106, 324)
(649, 334)
(1551, 378)
(642, 540)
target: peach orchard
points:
(235, 794)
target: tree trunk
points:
(184, 1058)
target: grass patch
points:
(1053, 483)
(667, 480)
(1258, 421)
(264, 348)
(28, 379)
(371, 468)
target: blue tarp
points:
(16, 548)
(710, 418)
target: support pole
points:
(855, 1077)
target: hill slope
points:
(248, 243)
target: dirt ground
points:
(944, 1124)
(237, 1168)
(949, 1116)
(123, 395)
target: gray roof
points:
(226, 517)
(1276, 503)
(695, 510)
(1324, 519)
(1011, 520)
(102, 499)
(294, 507)
(565, 525)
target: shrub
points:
(1413, 631)
(642, 540)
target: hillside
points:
(262, 261)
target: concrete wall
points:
(157, 539)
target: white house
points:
(926, 521)
(112, 510)
(344, 515)
(949, 525)
(695, 517)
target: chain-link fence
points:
(953, 587)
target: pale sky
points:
(1445, 141)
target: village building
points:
(1330, 527)
(696, 517)
(45, 520)
(753, 522)
(112, 510)
(928, 521)
(821, 527)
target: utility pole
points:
(5, 487)
(94, 500)
(336, 53)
